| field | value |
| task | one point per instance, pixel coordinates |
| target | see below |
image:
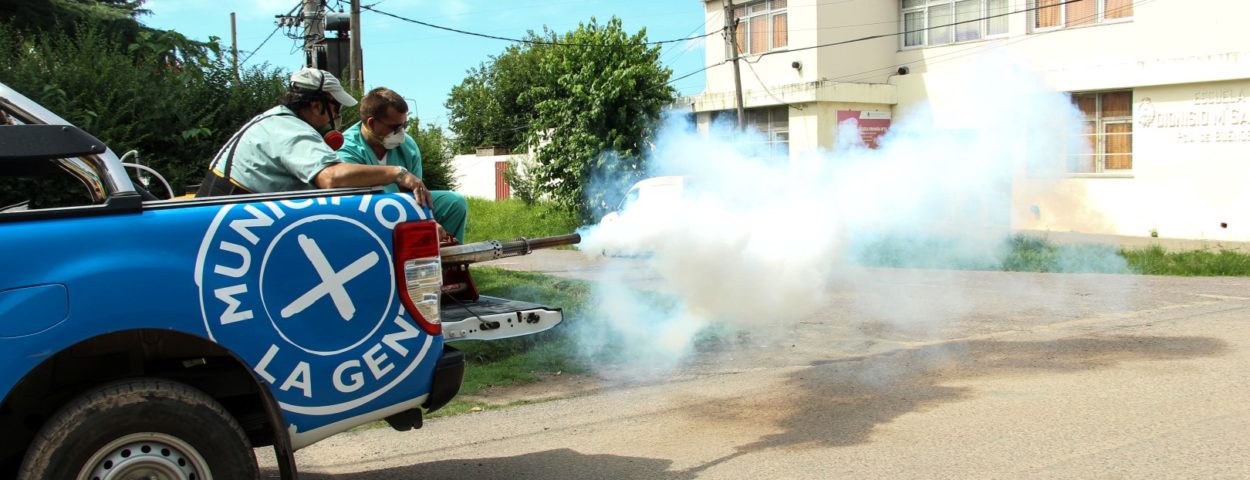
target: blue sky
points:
(423, 64)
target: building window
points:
(762, 26)
(942, 22)
(1108, 129)
(772, 124)
(1052, 14)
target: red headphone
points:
(334, 139)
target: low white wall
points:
(476, 174)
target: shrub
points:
(176, 115)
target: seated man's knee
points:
(457, 203)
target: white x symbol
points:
(332, 282)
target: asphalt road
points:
(903, 374)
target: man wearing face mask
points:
(283, 149)
(380, 138)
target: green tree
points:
(175, 116)
(437, 169)
(487, 108)
(44, 15)
(586, 101)
(597, 115)
(116, 18)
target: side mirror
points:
(45, 142)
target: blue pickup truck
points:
(144, 338)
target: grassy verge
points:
(1157, 261)
(520, 360)
(508, 219)
(1030, 254)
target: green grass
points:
(1157, 261)
(1023, 253)
(519, 360)
(568, 294)
(1031, 254)
(508, 219)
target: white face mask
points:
(393, 140)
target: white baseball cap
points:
(313, 80)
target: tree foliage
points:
(487, 108)
(175, 115)
(586, 101)
(45, 15)
(437, 169)
(596, 117)
(116, 18)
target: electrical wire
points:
(520, 40)
(929, 60)
(905, 32)
(701, 70)
(684, 51)
(262, 44)
(769, 92)
(975, 49)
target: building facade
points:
(1164, 86)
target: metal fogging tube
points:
(494, 249)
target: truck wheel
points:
(140, 429)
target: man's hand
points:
(444, 238)
(340, 175)
(407, 181)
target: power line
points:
(975, 49)
(905, 32)
(769, 92)
(701, 70)
(266, 40)
(687, 50)
(262, 44)
(965, 52)
(519, 40)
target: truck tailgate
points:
(493, 318)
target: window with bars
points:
(771, 123)
(774, 124)
(1108, 130)
(762, 26)
(942, 22)
(1053, 14)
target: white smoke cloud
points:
(760, 241)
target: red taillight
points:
(419, 272)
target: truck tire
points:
(142, 428)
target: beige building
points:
(1164, 86)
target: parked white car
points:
(654, 189)
(647, 193)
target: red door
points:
(502, 191)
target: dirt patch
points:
(549, 386)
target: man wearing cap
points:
(282, 149)
(380, 138)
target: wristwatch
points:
(402, 171)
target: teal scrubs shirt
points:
(450, 208)
(356, 150)
(280, 153)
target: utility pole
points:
(731, 24)
(357, 63)
(314, 30)
(234, 47)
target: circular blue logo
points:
(305, 292)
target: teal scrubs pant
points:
(451, 211)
